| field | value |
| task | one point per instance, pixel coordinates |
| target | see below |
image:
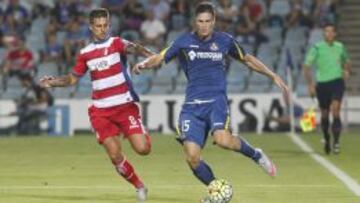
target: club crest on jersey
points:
(214, 47)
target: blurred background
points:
(41, 37)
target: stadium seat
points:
(161, 85)
(141, 83)
(237, 77)
(258, 83)
(279, 7)
(13, 89)
(274, 35)
(315, 35)
(131, 35)
(168, 70)
(84, 87)
(180, 83)
(48, 68)
(296, 36)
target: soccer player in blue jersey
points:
(202, 57)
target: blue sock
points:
(204, 173)
(247, 150)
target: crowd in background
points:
(42, 37)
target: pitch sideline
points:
(349, 182)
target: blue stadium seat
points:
(180, 83)
(162, 85)
(141, 83)
(237, 77)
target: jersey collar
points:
(206, 40)
(101, 41)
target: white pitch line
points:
(79, 187)
(338, 173)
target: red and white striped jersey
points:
(111, 85)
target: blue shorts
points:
(197, 120)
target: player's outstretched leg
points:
(200, 169)
(123, 166)
(225, 140)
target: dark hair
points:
(329, 25)
(205, 7)
(98, 13)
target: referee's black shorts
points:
(326, 92)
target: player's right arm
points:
(61, 81)
(70, 79)
(309, 59)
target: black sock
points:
(325, 129)
(336, 129)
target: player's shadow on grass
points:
(99, 198)
(83, 198)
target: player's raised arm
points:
(256, 65)
(61, 81)
(72, 78)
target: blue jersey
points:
(203, 62)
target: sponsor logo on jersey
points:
(214, 56)
(101, 65)
(194, 46)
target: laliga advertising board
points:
(160, 112)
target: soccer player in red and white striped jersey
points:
(114, 108)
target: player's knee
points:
(193, 160)
(221, 139)
(143, 150)
(116, 158)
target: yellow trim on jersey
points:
(178, 130)
(163, 52)
(227, 123)
(241, 54)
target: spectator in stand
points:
(252, 10)
(161, 9)
(31, 108)
(134, 15)
(64, 10)
(324, 11)
(74, 40)
(227, 11)
(85, 6)
(296, 16)
(53, 50)
(181, 7)
(20, 15)
(19, 60)
(115, 6)
(9, 26)
(153, 30)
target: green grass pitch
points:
(76, 170)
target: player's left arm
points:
(256, 65)
(137, 49)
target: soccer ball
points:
(220, 191)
